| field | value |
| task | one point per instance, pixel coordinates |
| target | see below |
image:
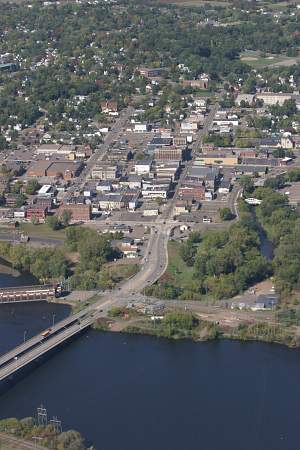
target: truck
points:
(46, 333)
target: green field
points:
(256, 61)
(177, 273)
(42, 231)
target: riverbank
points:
(188, 325)
(28, 433)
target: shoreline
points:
(208, 332)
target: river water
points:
(143, 393)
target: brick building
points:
(168, 154)
(80, 212)
(37, 212)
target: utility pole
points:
(42, 416)
(57, 426)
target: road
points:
(114, 134)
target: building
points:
(64, 169)
(168, 154)
(225, 187)
(110, 201)
(272, 98)
(150, 210)
(245, 98)
(189, 127)
(287, 142)
(79, 212)
(168, 170)
(46, 191)
(105, 172)
(58, 169)
(219, 159)
(152, 72)
(161, 141)
(109, 106)
(193, 192)
(141, 128)
(38, 169)
(37, 212)
(143, 167)
(202, 83)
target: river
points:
(143, 393)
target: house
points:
(109, 106)
(201, 83)
(152, 72)
(269, 142)
(11, 199)
(287, 142)
(143, 167)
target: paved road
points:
(114, 134)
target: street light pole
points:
(24, 337)
(53, 320)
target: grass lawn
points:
(42, 231)
(177, 273)
(122, 271)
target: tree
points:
(32, 187)
(70, 440)
(247, 184)
(226, 214)
(53, 222)
(66, 217)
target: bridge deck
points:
(36, 345)
(46, 345)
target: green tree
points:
(32, 187)
(226, 214)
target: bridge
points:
(39, 345)
(33, 293)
